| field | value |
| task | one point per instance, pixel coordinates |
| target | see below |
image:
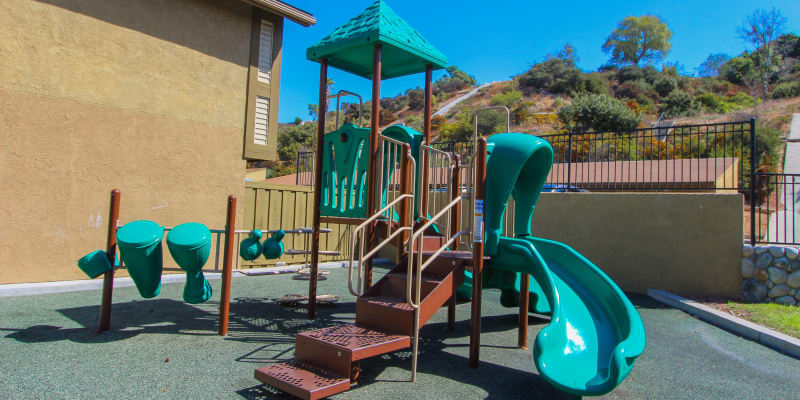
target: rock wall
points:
(771, 274)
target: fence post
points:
(297, 170)
(569, 161)
(753, 181)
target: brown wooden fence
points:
(287, 207)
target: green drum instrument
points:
(190, 244)
(139, 243)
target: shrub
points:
(665, 84)
(459, 130)
(598, 112)
(293, 138)
(738, 70)
(394, 104)
(386, 117)
(555, 76)
(786, 90)
(638, 90)
(507, 98)
(720, 104)
(416, 98)
(629, 73)
(595, 83)
(679, 104)
(491, 122)
(455, 80)
(520, 113)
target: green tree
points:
(638, 39)
(313, 110)
(292, 139)
(455, 80)
(760, 29)
(739, 70)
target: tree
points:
(710, 67)
(455, 80)
(638, 39)
(313, 110)
(567, 53)
(292, 139)
(760, 29)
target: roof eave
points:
(285, 10)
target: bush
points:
(416, 98)
(460, 130)
(491, 122)
(738, 70)
(394, 104)
(720, 104)
(293, 138)
(665, 84)
(455, 80)
(507, 98)
(520, 113)
(555, 76)
(679, 104)
(386, 117)
(639, 90)
(599, 113)
(595, 83)
(786, 89)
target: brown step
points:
(384, 305)
(303, 380)
(336, 348)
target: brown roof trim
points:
(278, 7)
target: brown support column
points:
(111, 252)
(372, 195)
(322, 110)
(477, 259)
(405, 188)
(426, 118)
(455, 225)
(227, 266)
(522, 339)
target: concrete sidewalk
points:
(784, 223)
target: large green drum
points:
(190, 244)
(139, 243)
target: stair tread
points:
(388, 301)
(404, 275)
(361, 342)
(302, 380)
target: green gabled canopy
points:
(350, 46)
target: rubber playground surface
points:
(165, 348)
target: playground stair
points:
(432, 240)
(327, 360)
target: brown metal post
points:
(522, 339)
(322, 110)
(111, 252)
(372, 196)
(477, 257)
(405, 188)
(455, 225)
(426, 120)
(227, 266)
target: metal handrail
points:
(359, 230)
(439, 157)
(339, 95)
(420, 266)
(388, 209)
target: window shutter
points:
(261, 125)
(265, 51)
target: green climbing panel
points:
(345, 162)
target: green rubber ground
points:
(49, 349)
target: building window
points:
(262, 86)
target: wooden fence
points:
(275, 206)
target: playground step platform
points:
(303, 380)
(337, 347)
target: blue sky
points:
(504, 38)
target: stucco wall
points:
(689, 244)
(145, 96)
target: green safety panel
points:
(345, 162)
(350, 47)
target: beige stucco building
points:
(165, 100)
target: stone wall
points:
(771, 274)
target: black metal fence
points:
(305, 168)
(774, 218)
(718, 157)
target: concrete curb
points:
(26, 289)
(757, 333)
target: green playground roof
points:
(350, 46)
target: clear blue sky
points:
(494, 40)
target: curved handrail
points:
(339, 95)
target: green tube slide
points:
(595, 334)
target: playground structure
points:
(397, 190)
(140, 243)
(401, 192)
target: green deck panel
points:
(345, 161)
(350, 46)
